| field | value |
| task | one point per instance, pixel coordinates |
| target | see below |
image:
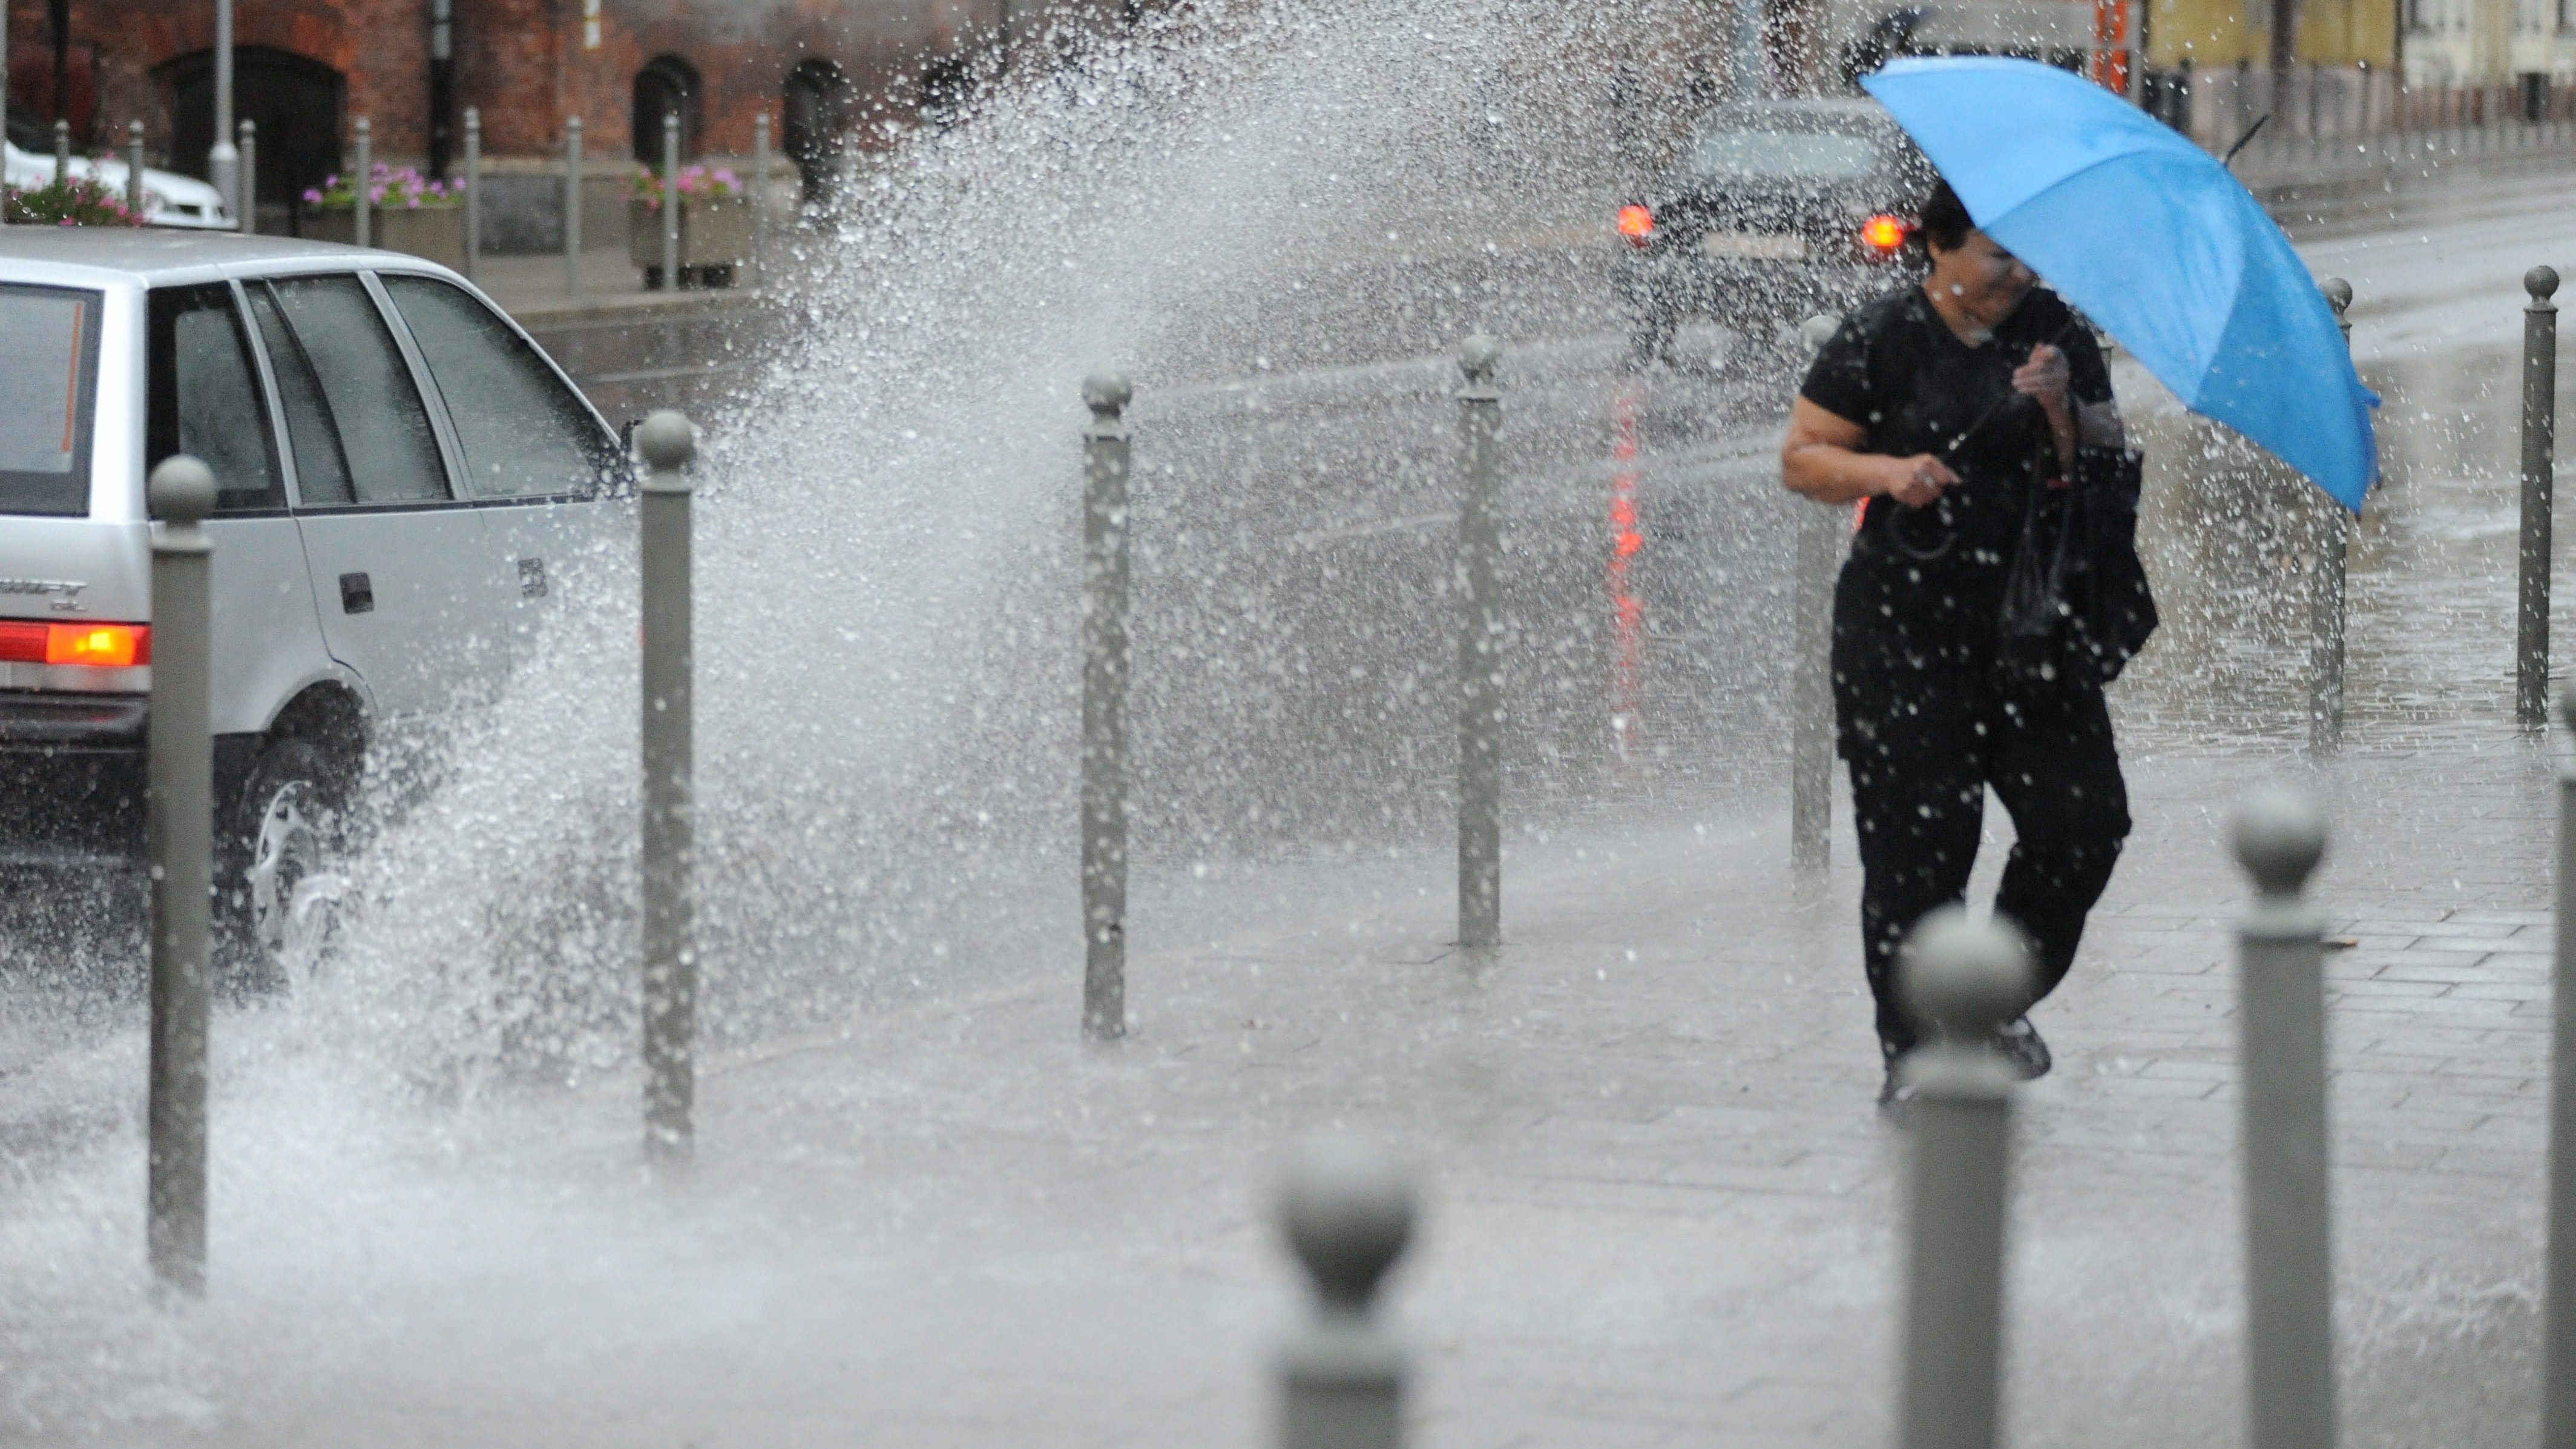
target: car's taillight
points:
(1883, 234)
(1637, 224)
(107, 646)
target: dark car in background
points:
(1774, 211)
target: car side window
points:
(376, 413)
(205, 397)
(321, 467)
(524, 434)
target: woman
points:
(1942, 406)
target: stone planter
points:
(715, 240)
(434, 232)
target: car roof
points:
(1842, 111)
(149, 256)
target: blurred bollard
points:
(249, 148)
(1105, 665)
(134, 167)
(1821, 535)
(2333, 542)
(572, 205)
(2558, 1364)
(362, 181)
(1480, 649)
(1347, 1210)
(2289, 1259)
(760, 199)
(671, 200)
(2539, 437)
(62, 151)
(473, 192)
(667, 443)
(179, 814)
(1963, 978)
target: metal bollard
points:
(1821, 536)
(248, 217)
(1347, 1210)
(62, 151)
(179, 814)
(667, 443)
(473, 191)
(1105, 665)
(572, 206)
(1964, 978)
(134, 167)
(2558, 1362)
(2289, 1259)
(1480, 650)
(671, 200)
(2539, 437)
(760, 199)
(364, 182)
(2333, 544)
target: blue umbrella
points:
(2151, 237)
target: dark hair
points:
(1943, 221)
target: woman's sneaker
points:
(2020, 1043)
(1896, 1092)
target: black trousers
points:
(1925, 732)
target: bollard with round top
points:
(2332, 543)
(1964, 978)
(1105, 667)
(179, 816)
(1473, 575)
(1821, 538)
(2539, 442)
(1347, 1210)
(2280, 835)
(572, 205)
(667, 443)
(672, 216)
(2558, 1363)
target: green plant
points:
(694, 181)
(71, 201)
(389, 188)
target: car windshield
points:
(1733, 155)
(47, 393)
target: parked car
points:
(1775, 210)
(169, 199)
(401, 473)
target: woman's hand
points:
(1916, 481)
(2046, 380)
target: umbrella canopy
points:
(2151, 237)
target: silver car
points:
(401, 473)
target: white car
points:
(169, 199)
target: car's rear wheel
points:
(287, 885)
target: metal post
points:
(2333, 543)
(2289, 1260)
(2539, 437)
(667, 442)
(671, 200)
(1963, 978)
(134, 167)
(572, 205)
(1347, 1210)
(2558, 1351)
(1105, 665)
(249, 213)
(1811, 694)
(62, 151)
(473, 191)
(760, 199)
(223, 162)
(365, 182)
(179, 814)
(1480, 650)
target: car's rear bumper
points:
(73, 770)
(1680, 283)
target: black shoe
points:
(1896, 1093)
(2022, 1048)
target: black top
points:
(1897, 369)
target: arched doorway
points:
(296, 102)
(665, 85)
(815, 108)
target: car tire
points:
(282, 887)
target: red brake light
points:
(1637, 224)
(1883, 234)
(105, 646)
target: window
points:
(321, 468)
(667, 85)
(205, 396)
(386, 448)
(523, 432)
(1783, 155)
(47, 393)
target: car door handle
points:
(532, 578)
(357, 596)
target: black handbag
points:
(2077, 606)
